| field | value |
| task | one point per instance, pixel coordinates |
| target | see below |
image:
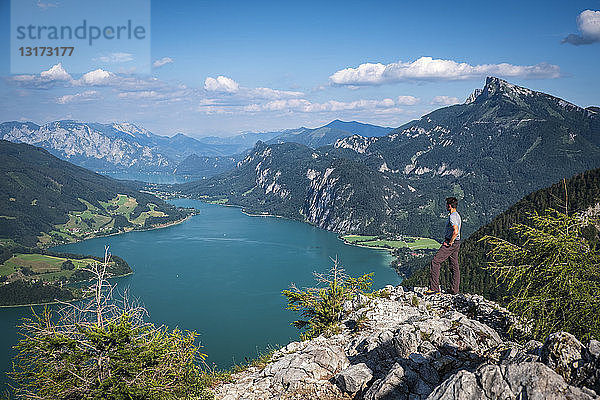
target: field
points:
(101, 220)
(44, 267)
(411, 242)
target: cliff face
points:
(407, 346)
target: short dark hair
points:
(452, 201)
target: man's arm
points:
(454, 235)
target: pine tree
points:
(552, 274)
(323, 307)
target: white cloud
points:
(588, 23)
(221, 84)
(305, 106)
(79, 97)
(55, 76)
(407, 100)
(45, 6)
(114, 58)
(445, 100)
(271, 94)
(56, 73)
(162, 61)
(98, 77)
(144, 94)
(427, 69)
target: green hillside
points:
(44, 200)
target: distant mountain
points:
(108, 147)
(236, 144)
(239, 145)
(204, 167)
(504, 142)
(47, 200)
(329, 134)
(127, 147)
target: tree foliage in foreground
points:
(105, 351)
(322, 308)
(553, 275)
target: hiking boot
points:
(430, 292)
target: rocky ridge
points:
(403, 345)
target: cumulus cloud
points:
(56, 73)
(407, 100)
(445, 100)
(588, 23)
(221, 84)
(430, 69)
(55, 76)
(79, 97)
(162, 61)
(98, 77)
(58, 76)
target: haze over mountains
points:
(504, 142)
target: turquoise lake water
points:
(221, 273)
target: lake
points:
(221, 273)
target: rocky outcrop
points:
(407, 346)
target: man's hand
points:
(446, 244)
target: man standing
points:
(449, 249)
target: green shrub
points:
(101, 350)
(322, 308)
(552, 274)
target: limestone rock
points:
(529, 380)
(354, 378)
(318, 361)
(412, 347)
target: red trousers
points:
(441, 256)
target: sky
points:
(220, 68)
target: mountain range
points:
(127, 147)
(504, 142)
(329, 134)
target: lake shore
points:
(59, 301)
(166, 225)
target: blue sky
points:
(226, 67)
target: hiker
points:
(449, 249)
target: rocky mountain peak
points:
(132, 129)
(499, 87)
(473, 96)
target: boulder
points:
(354, 378)
(528, 380)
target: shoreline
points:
(179, 221)
(59, 302)
(339, 236)
(389, 250)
